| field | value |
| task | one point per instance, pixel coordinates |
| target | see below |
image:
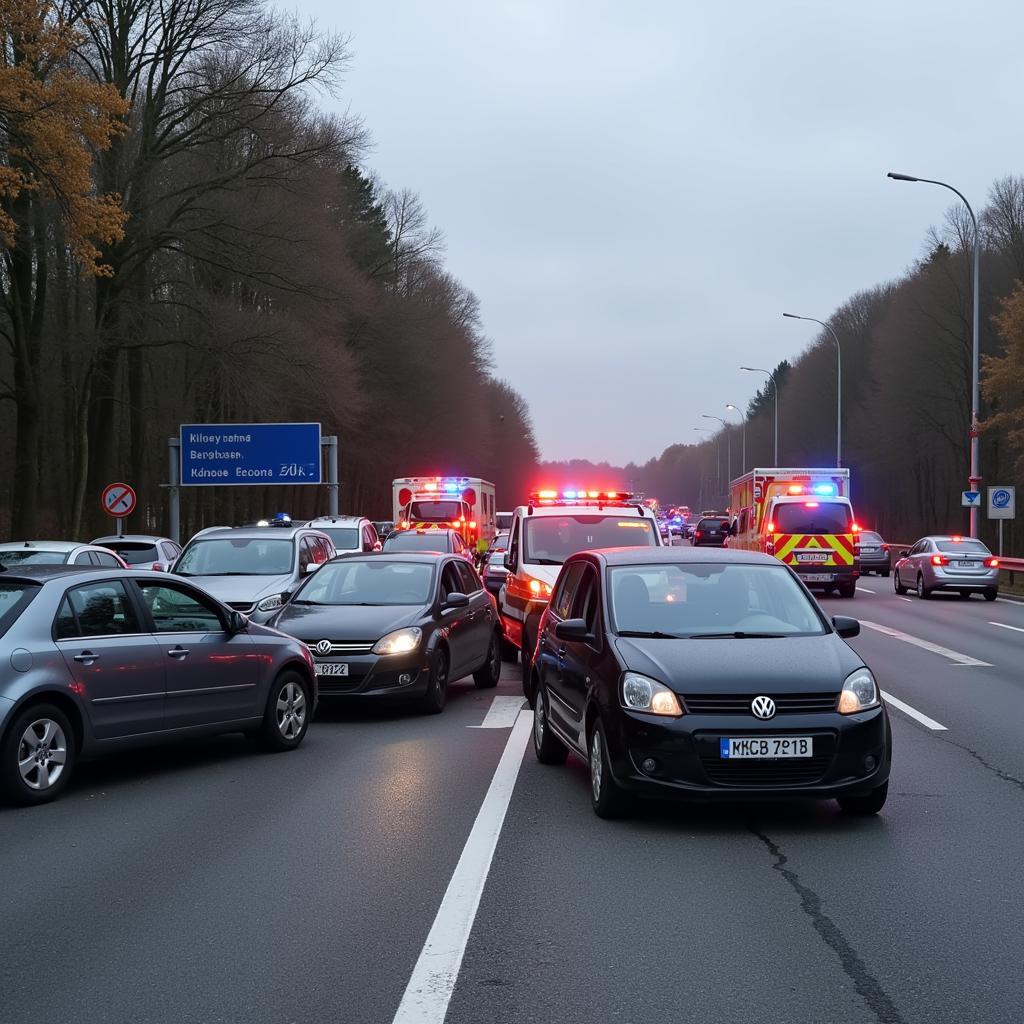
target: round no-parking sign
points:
(118, 500)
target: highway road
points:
(398, 868)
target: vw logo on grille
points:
(324, 647)
(763, 707)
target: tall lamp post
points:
(975, 473)
(728, 440)
(839, 383)
(775, 391)
(743, 460)
(718, 454)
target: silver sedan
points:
(961, 564)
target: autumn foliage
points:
(1003, 377)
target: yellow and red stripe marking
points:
(839, 548)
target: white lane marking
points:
(907, 599)
(1010, 600)
(864, 590)
(1003, 625)
(926, 645)
(927, 722)
(502, 713)
(433, 978)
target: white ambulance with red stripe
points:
(462, 503)
(802, 516)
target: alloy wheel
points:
(539, 720)
(291, 710)
(596, 765)
(42, 754)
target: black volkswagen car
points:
(396, 626)
(705, 674)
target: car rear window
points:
(437, 511)
(14, 599)
(346, 538)
(962, 547)
(32, 556)
(407, 540)
(813, 517)
(550, 540)
(712, 524)
(134, 552)
(867, 537)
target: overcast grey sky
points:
(637, 191)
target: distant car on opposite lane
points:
(95, 661)
(16, 554)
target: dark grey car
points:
(92, 661)
(873, 554)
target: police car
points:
(545, 532)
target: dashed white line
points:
(907, 599)
(433, 978)
(928, 723)
(927, 645)
(864, 590)
(502, 713)
(1003, 625)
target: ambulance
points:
(804, 518)
(555, 524)
(462, 503)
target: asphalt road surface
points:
(347, 882)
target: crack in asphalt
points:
(998, 772)
(869, 988)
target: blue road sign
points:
(970, 499)
(247, 454)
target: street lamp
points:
(729, 405)
(839, 383)
(718, 454)
(775, 390)
(728, 438)
(975, 472)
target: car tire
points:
(437, 684)
(964, 595)
(546, 745)
(896, 585)
(487, 675)
(922, 591)
(43, 733)
(509, 651)
(527, 665)
(885, 572)
(991, 594)
(847, 590)
(287, 715)
(865, 805)
(607, 798)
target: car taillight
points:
(854, 527)
(885, 547)
(940, 560)
(992, 563)
(696, 533)
(540, 588)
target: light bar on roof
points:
(579, 496)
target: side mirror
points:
(377, 546)
(508, 563)
(311, 567)
(237, 623)
(904, 552)
(846, 627)
(572, 629)
(456, 601)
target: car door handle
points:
(86, 657)
(178, 652)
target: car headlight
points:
(860, 693)
(401, 641)
(269, 604)
(641, 693)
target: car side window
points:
(470, 581)
(178, 610)
(561, 604)
(586, 603)
(170, 551)
(83, 558)
(451, 582)
(305, 554)
(107, 560)
(96, 609)
(513, 543)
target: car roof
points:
(40, 573)
(337, 521)
(43, 545)
(585, 510)
(133, 537)
(951, 536)
(253, 532)
(645, 555)
(428, 557)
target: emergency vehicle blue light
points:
(568, 494)
(450, 487)
(824, 488)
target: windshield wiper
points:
(654, 634)
(737, 635)
(544, 561)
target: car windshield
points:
(437, 511)
(696, 599)
(962, 547)
(365, 581)
(813, 517)
(346, 538)
(32, 556)
(13, 599)
(410, 540)
(237, 556)
(134, 552)
(550, 540)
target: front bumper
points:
(688, 762)
(391, 676)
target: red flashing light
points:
(472, 524)
(796, 488)
(940, 560)
(771, 526)
(811, 504)
(613, 494)
(469, 496)
(855, 527)
(430, 486)
(404, 496)
(547, 495)
(455, 523)
(956, 540)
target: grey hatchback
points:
(91, 661)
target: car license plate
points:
(869, 551)
(967, 565)
(331, 668)
(817, 577)
(766, 748)
(812, 556)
